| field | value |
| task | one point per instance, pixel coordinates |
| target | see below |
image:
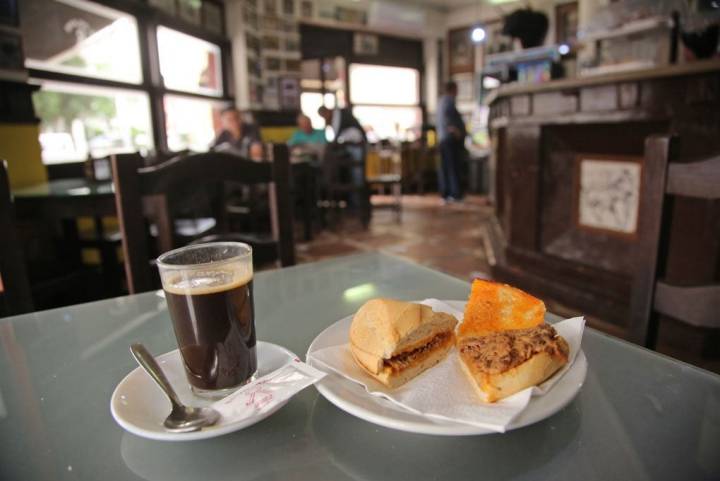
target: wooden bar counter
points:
(551, 144)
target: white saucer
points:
(354, 399)
(140, 407)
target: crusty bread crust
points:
(384, 328)
(393, 379)
(493, 307)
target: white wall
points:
(236, 33)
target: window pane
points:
(80, 38)
(191, 123)
(401, 123)
(77, 120)
(310, 102)
(374, 84)
(188, 63)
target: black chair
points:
(652, 296)
(15, 296)
(339, 191)
(152, 192)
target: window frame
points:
(148, 19)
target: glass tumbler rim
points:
(161, 260)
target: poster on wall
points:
(306, 9)
(212, 17)
(608, 193)
(461, 51)
(289, 93)
(566, 23)
(365, 44)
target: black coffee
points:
(214, 321)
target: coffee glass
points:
(209, 293)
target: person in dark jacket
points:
(236, 136)
(451, 135)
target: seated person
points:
(305, 134)
(236, 137)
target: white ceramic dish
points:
(139, 406)
(354, 399)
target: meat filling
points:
(405, 359)
(500, 351)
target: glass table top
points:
(638, 416)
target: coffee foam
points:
(206, 281)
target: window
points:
(80, 38)
(310, 102)
(80, 120)
(191, 123)
(93, 99)
(375, 84)
(188, 63)
(386, 100)
(389, 122)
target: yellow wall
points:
(20, 147)
(276, 134)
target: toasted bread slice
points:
(503, 363)
(493, 307)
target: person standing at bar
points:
(451, 135)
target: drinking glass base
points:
(217, 394)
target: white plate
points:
(140, 407)
(354, 399)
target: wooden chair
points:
(15, 297)
(338, 190)
(152, 191)
(652, 296)
(387, 176)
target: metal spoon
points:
(182, 419)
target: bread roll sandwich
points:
(394, 341)
(504, 344)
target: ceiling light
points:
(478, 34)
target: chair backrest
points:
(15, 297)
(139, 190)
(651, 296)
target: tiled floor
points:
(422, 236)
(447, 238)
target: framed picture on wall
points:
(365, 43)
(270, 42)
(306, 9)
(270, 7)
(189, 11)
(607, 193)
(566, 23)
(212, 17)
(461, 51)
(272, 64)
(495, 41)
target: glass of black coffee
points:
(209, 293)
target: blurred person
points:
(346, 127)
(236, 136)
(306, 134)
(451, 135)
